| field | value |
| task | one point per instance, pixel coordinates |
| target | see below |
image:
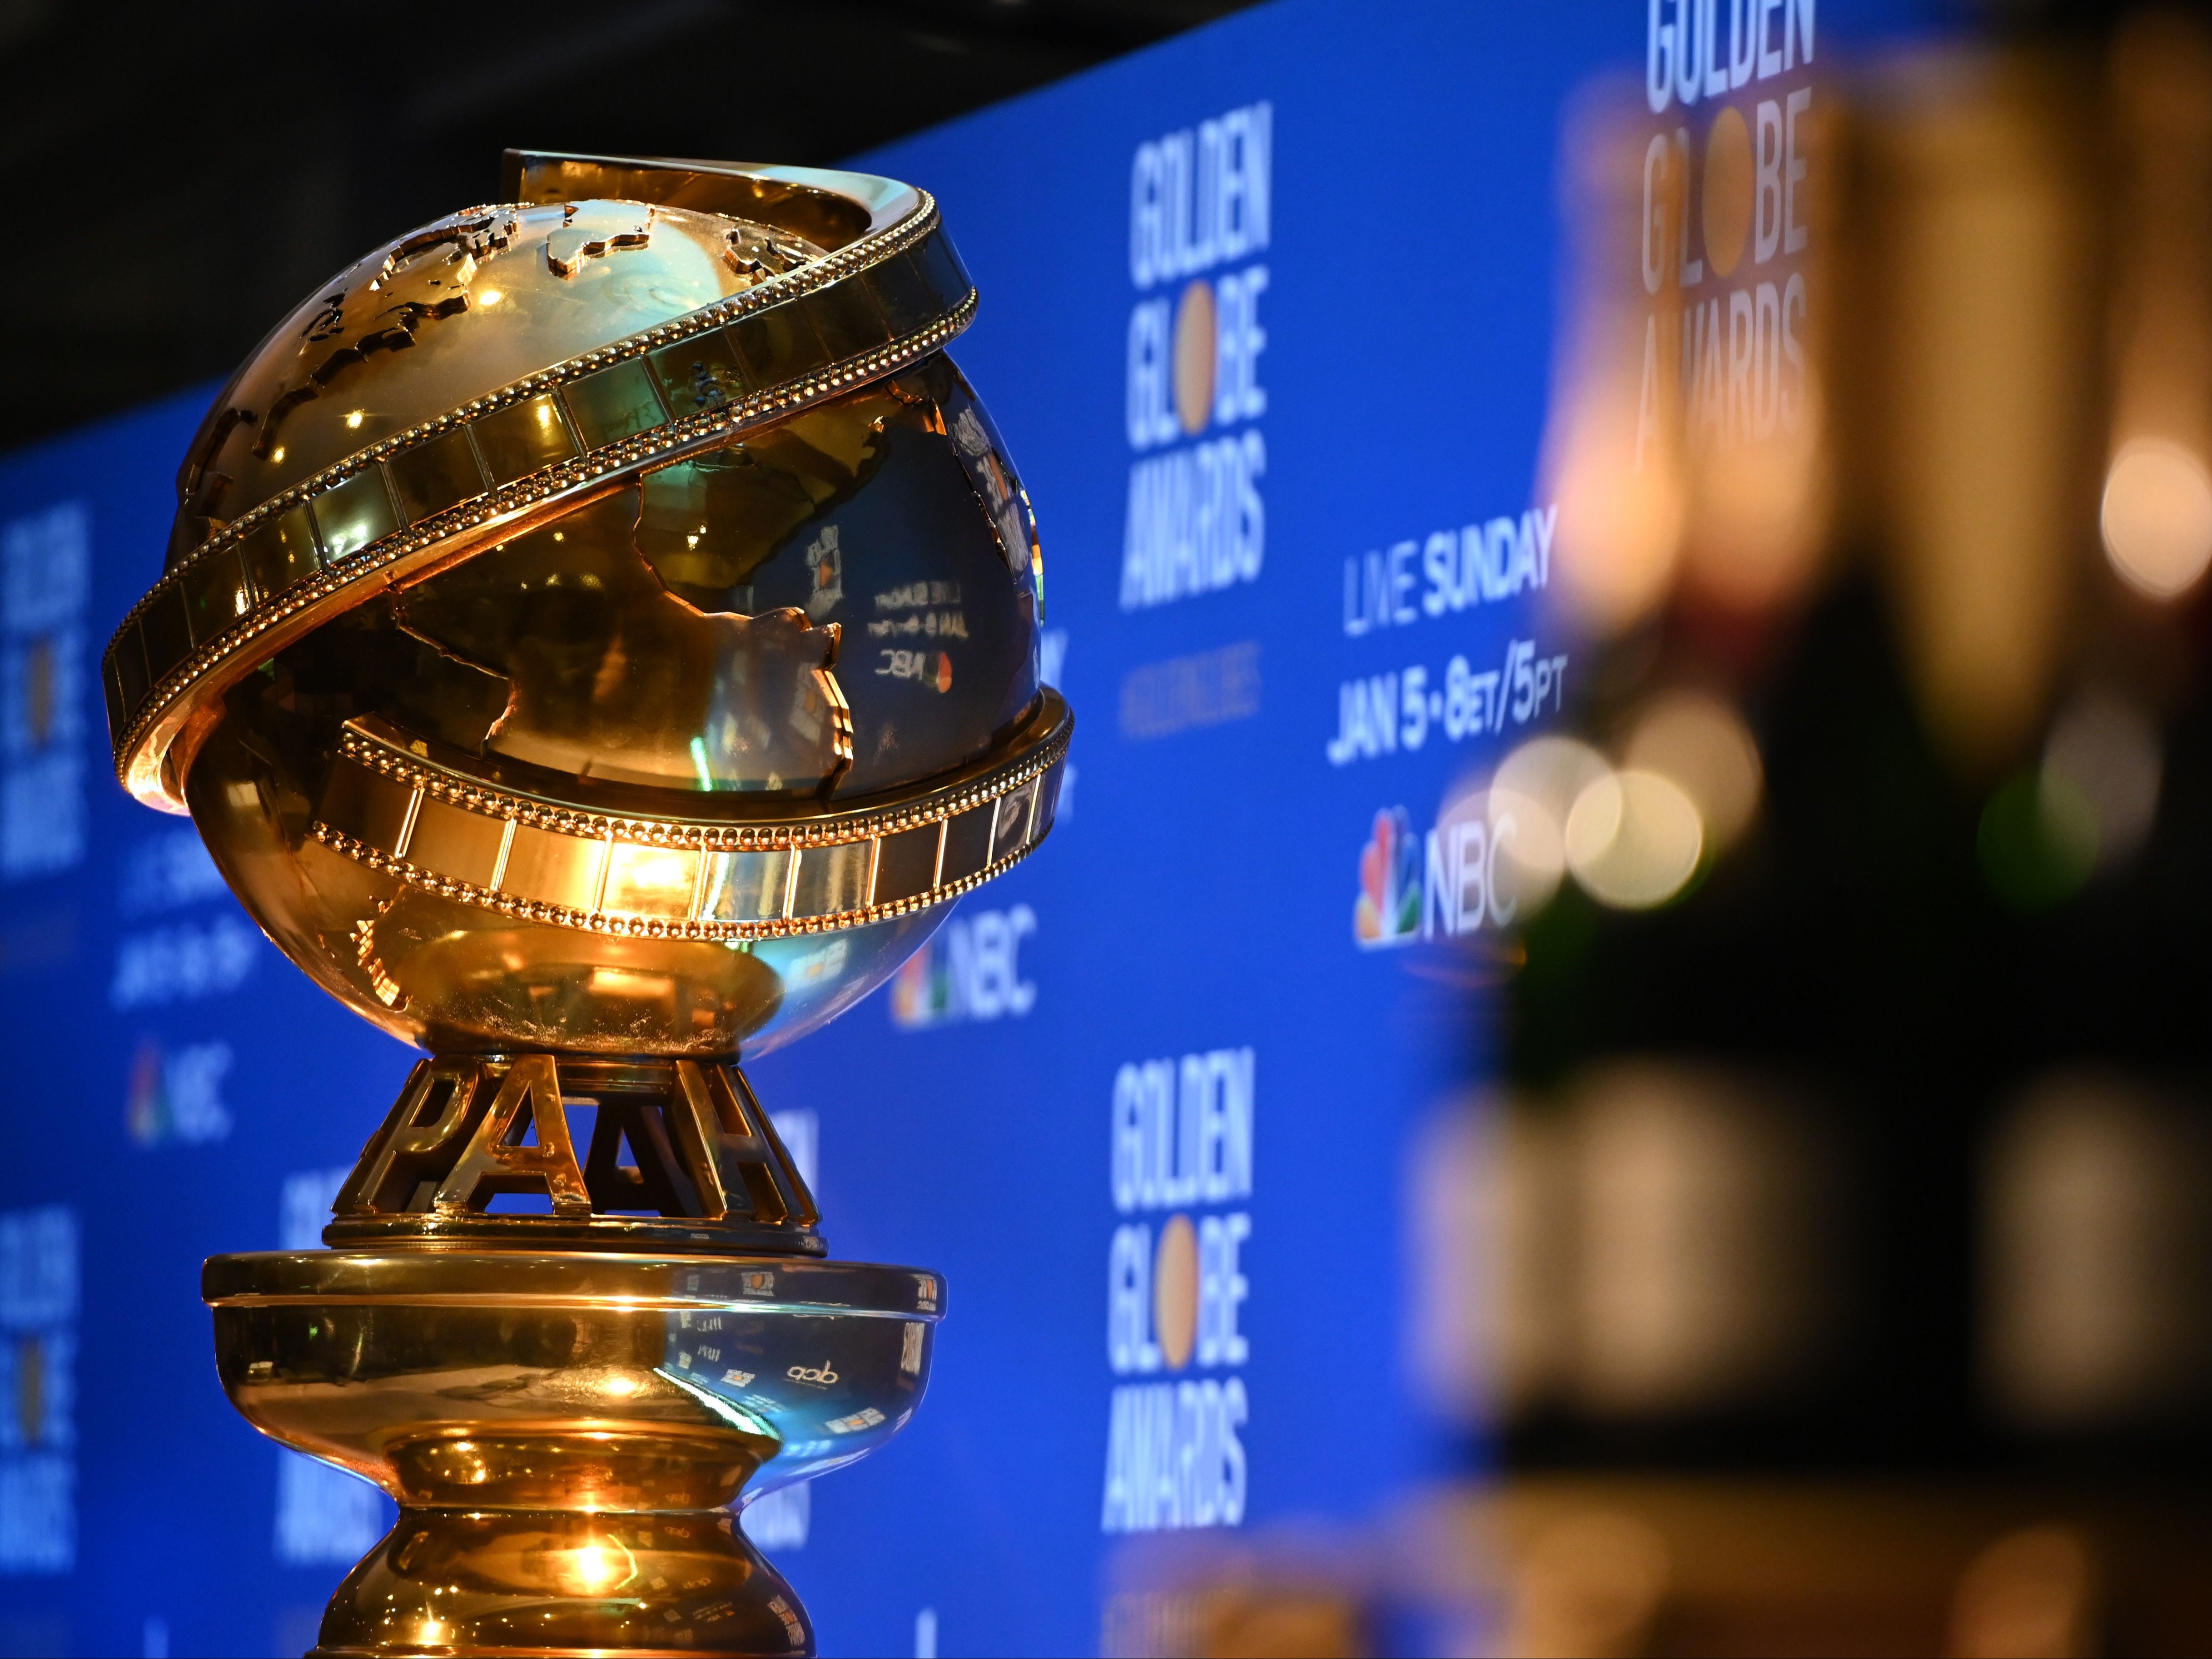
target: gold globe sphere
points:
(605, 623)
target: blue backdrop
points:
(1269, 316)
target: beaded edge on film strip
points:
(622, 926)
(871, 828)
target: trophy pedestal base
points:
(565, 1430)
(559, 1582)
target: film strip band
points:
(865, 311)
(440, 828)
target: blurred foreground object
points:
(2098, 1216)
(1941, 316)
(1852, 1155)
(1662, 1240)
(1974, 269)
(500, 661)
(1581, 1567)
(2032, 1595)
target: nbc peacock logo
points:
(922, 992)
(970, 971)
(1388, 910)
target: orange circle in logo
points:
(1728, 189)
(1194, 355)
(1175, 1291)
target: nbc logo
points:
(971, 970)
(1389, 910)
(1453, 878)
(179, 1096)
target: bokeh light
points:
(595, 1567)
(2093, 1241)
(2107, 749)
(2031, 1591)
(1620, 524)
(1633, 839)
(1536, 787)
(1589, 1582)
(2157, 517)
(2037, 840)
(1702, 745)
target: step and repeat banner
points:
(1269, 320)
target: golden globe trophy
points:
(599, 632)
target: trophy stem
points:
(454, 1580)
(566, 1405)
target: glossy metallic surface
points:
(771, 325)
(599, 631)
(563, 1432)
(463, 305)
(689, 756)
(461, 915)
(650, 1155)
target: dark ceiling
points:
(236, 157)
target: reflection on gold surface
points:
(611, 676)
(612, 648)
(468, 968)
(593, 1568)
(561, 1443)
(410, 324)
(246, 579)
